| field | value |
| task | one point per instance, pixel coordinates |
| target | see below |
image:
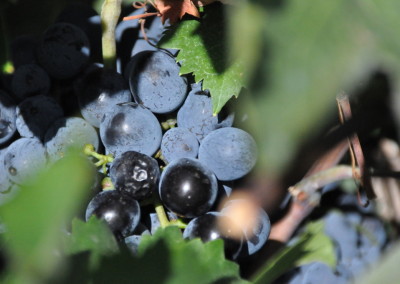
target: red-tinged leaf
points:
(174, 10)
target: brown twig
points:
(388, 188)
(356, 153)
(299, 210)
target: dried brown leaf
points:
(174, 10)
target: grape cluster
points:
(152, 131)
(360, 239)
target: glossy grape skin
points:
(7, 118)
(36, 114)
(206, 228)
(229, 152)
(30, 80)
(120, 211)
(188, 188)
(179, 143)
(101, 90)
(69, 132)
(63, 50)
(256, 238)
(24, 158)
(155, 81)
(136, 174)
(130, 127)
(196, 114)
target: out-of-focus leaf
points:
(166, 258)
(386, 271)
(188, 260)
(93, 236)
(204, 51)
(312, 51)
(312, 245)
(35, 219)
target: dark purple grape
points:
(63, 50)
(88, 20)
(120, 211)
(196, 114)
(229, 152)
(188, 188)
(36, 114)
(30, 80)
(135, 174)
(130, 127)
(24, 158)
(207, 229)
(7, 118)
(155, 81)
(178, 143)
(100, 91)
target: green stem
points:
(162, 216)
(110, 12)
(168, 124)
(179, 223)
(103, 160)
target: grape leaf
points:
(162, 258)
(203, 51)
(312, 245)
(93, 236)
(189, 260)
(36, 217)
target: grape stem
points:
(110, 12)
(162, 216)
(103, 160)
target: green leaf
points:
(189, 260)
(203, 51)
(312, 245)
(93, 236)
(166, 258)
(312, 50)
(36, 218)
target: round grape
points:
(135, 174)
(229, 152)
(120, 211)
(188, 188)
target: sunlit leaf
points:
(204, 51)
